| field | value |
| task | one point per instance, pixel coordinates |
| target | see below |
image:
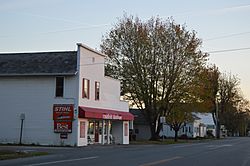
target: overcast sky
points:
(48, 25)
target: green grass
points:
(9, 154)
(160, 142)
(168, 141)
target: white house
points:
(191, 129)
(62, 98)
(198, 128)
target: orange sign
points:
(63, 112)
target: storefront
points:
(104, 126)
(100, 131)
(77, 104)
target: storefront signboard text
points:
(112, 116)
(62, 126)
(63, 112)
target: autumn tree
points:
(179, 116)
(235, 121)
(157, 62)
(208, 90)
(232, 105)
(203, 91)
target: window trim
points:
(87, 96)
(63, 86)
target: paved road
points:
(226, 152)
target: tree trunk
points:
(217, 123)
(154, 135)
(218, 130)
(155, 130)
(175, 135)
(214, 118)
(159, 128)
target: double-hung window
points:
(59, 86)
(85, 88)
(97, 90)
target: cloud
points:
(229, 9)
(77, 28)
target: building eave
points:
(90, 49)
(38, 74)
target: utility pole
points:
(217, 119)
(162, 121)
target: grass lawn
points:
(167, 141)
(10, 154)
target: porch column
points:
(108, 132)
(103, 131)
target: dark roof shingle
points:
(41, 63)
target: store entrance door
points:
(100, 131)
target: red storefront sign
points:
(62, 126)
(63, 112)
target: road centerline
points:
(161, 161)
(63, 161)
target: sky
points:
(57, 25)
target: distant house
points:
(191, 130)
(197, 128)
(63, 98)
(141, 129)
(211, 130)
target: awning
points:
(98, 113)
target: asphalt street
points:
(225, 152)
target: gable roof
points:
(40, 63)
(90, 49)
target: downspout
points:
(78, 95)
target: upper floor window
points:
(97, 90)
(59, 86)
(85, 88)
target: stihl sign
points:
(63, 112)
(63, 115)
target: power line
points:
(227, 36)
(229, 50)
(58, 31)
(77, 28)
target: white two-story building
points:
(60, 98)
